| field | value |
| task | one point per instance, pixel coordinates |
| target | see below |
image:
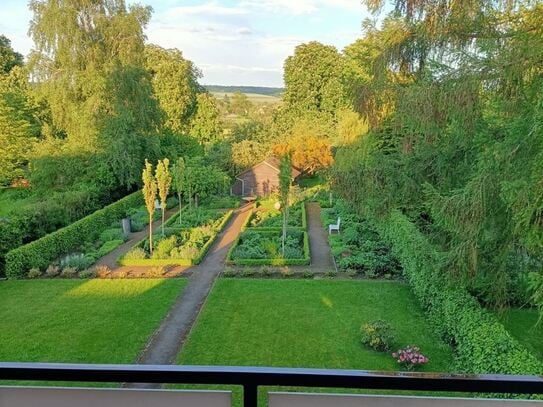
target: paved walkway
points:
(321, 256)
(165, 344)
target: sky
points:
(233, 42)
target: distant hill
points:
(260, 90)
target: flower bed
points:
(256, 247)
(187, 238)
(265, 216)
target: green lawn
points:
(299, 323)
(315, 323)
(521, 323)
(255, 98)
(75, 321)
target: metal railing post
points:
(250, 395)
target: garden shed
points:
(261, 179)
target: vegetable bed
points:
(265, 216)
(358, 248)
(263, 247)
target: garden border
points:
(41, 252)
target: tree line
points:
(453, 98)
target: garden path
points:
(166, 342)
(110, 260)
(321, 256)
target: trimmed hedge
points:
(271, 262)
(482, 344)
(179, 262)
(247, 220)
(40, 253)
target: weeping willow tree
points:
(453, 92)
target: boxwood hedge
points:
(481, 343)
(40, 253)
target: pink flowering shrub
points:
(410, 357)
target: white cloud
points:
(208, 9)
(239, 42)
(300, 7)
(296, 7)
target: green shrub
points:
(172, 202)
(222, 202)
(229, 272)
(156, 272)
(164, 247)
(87, 274)
(41, 252)
(69, 272)
(377, 335)
(108, 247)
(112, 234)
(34, 273)
(482, 344)
(78, 261)
(136, 253)
(52, 271)
(136, 225)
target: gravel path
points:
(321, 256)
(165, 344)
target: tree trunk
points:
(163, 216)
(151, 233)
(284, 236)
(180, 207)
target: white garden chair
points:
(334, 226)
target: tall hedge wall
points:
(481, 342)
(40, 253)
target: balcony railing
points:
(250, 378)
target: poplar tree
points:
(285, 179)
(149, 194)
(164, 181)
